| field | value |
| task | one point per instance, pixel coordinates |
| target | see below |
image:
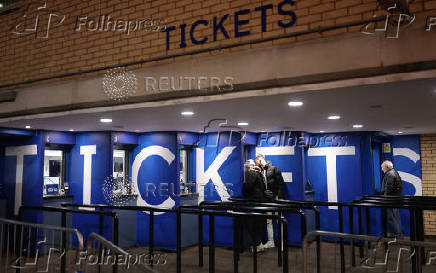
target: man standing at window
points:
(392, 186)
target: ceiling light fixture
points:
(106, 120)
(71, 130)
(187, 113)
(28, 127)
(242, 123)
(295, 103)
(334, 117)
(322, 131)
(400, 132)
(357, 126)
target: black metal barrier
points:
(246, 206)
(234, 214)
(414, 204)
(203, 211)
(238, 207)
(302, 205)
(150, 210)
(64, 212)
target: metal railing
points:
(381, 254)
(246, 206)
(64, 211)
(211, 212)
(104, 254)
(239, 208)
(27, 246)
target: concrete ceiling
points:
(408, 106)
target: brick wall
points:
(23, 57)
(428, 159)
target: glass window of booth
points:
(185, 185)
(54, 171)
(120, 167)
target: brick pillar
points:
(428, 160)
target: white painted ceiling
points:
(408, 106)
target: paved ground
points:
(267, 261)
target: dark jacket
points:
(391, 184)
(254, 186)
(274, 180)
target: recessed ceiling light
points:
(400, 132)
(242, 123)
(334, 117)
(187, 113)
(1, 5)
(71, 130)
(322, 131)
(105, 120)
(28, 127)
(137, 131)
(357, 126)
(295, 103)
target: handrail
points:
(212, 213)
(58, 209)
(19, 238)
(102, 206)
(356, 237)
(64, 211)
(115, 249)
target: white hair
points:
(388, 164)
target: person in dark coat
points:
(254, 185)
(273, 177)
(253, 189)
(275, 189)
(392, 186)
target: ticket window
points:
(187, 179)
(120, 167)
(184, 171)
(54, 172)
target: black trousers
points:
(255, 228)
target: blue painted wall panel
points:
(101, 169)
(155, 170)
(32, 177)
(407, 161)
